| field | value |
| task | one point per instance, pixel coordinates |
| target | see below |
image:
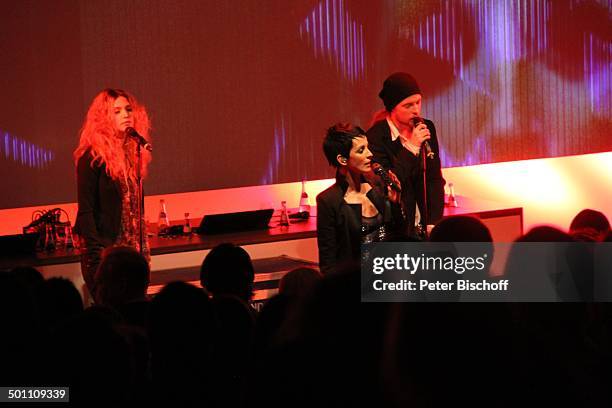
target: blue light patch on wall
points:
(27, 154)
(597, 65)
(278, 148)
(331, 32)
(476, 155)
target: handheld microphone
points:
(384, 174)
(415, 122)
(131, 132)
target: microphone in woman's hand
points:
(384, 175)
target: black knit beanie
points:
(396, 88)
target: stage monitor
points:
(235, 222)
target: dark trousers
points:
(90, 260)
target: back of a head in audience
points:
(589, 225)
(269, 320)
(299, 282)
(180, 309)
(91, 355)
(28, 278)
(122, 277)
(181, 328)
(559, 267)
(20, 334)
(228, 270)
(545, 233)
(234, 328)
(461, 228)
(28, 275)
(59, 301)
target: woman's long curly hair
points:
(99, 135)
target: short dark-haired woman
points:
(358, 208)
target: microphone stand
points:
(140, 197)
(425, 214)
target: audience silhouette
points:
(315, 343)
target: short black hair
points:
(588, 218)
(228, 270)
(339, 141)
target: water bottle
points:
(162, 222)
(50, 243)
(68, 239)
(304, 208)
(452, 200)
(284, 217)
(187, 225)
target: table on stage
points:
(274, 251)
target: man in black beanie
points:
(399, 140)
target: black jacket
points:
(100, 204)
(409, 169)
(339, 225)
